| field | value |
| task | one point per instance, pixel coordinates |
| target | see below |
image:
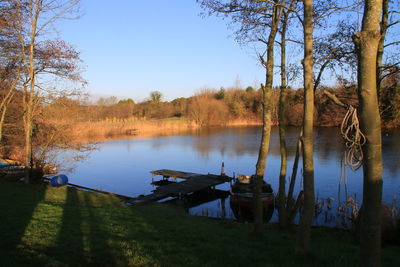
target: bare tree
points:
(257, 21)
(205, 110)
(282, 118)
(390, 17)
(42, 55)
(335, 51)
(303, 242)
(10, 59)
(277, 11)
(156, 96)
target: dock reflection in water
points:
(239, 209)
(123, 166)
(241, 201)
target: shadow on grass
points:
(70, 237)
(98, 239)
(85, 229)
(83, 239)
(17, 205)
(171, 238)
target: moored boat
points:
(242, 199)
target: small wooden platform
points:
(194, 182)
(174, 174)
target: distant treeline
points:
(218, 107)
(55, 119)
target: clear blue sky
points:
(131, 48)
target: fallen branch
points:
(335, 99)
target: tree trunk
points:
(2, 118)
(6, 101)
(290, 203)
(367, 42)
(28, 143)
(303, 242)
(3, 107)
(262, 157)
(266, 130)
(267, 110)
(282, 130)
(35, 8)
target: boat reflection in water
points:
(240, 195)
(242, 201)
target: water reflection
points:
(242, 202)
(123, 166)
(246, 140)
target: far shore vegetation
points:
(68, 119)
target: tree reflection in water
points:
(123, 166)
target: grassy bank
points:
(41, 225)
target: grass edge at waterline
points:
(41, 225)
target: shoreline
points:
(103, 131)
(50, 225)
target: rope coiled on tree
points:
(354, 139)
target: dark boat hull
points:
(242, 202)
(243, 207)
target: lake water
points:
(123, 166)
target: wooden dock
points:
(165, 173)
(193, 182)
(84, 188)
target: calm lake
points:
(123, 166)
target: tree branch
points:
(393, 43)
(335, 99)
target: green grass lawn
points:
(40, 225)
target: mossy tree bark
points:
(303, 241)
(367, 43)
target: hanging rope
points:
(342, 180)
(354, 139)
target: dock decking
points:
(194, 182)
(174, 174)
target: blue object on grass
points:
(58, 180)
(3, 164)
